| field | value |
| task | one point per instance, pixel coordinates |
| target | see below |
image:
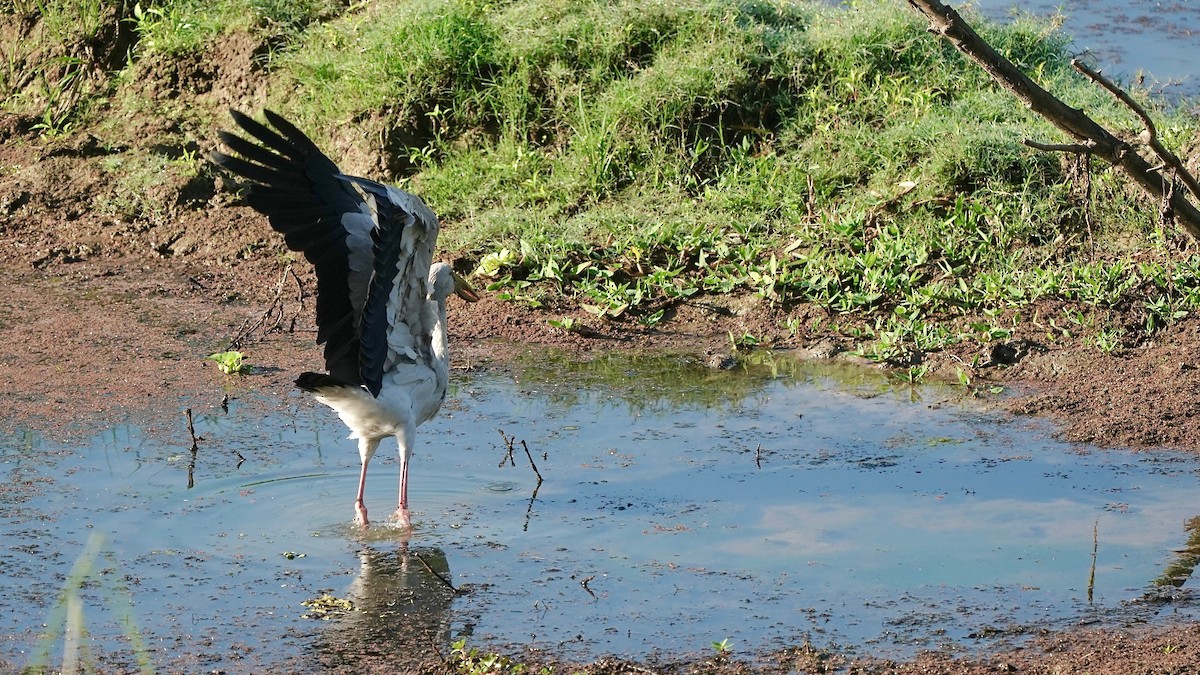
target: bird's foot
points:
(403, 520)
(360, 515)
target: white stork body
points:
(381, 301)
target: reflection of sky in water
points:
(888, 518)
(1126, 36)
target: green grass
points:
(628, 156)
(177, 28)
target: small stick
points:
(1077, 148)
(1095, 548)
(584, 583)
(529, 509)
(436, 650)
(244, 333)
(530, 456)
(508, 442)
(299, 299)
(435, 573)
(195, 448)
(758, 456)
(192, 431)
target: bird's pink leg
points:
(366, 449)
(406, 439)
(360, 508)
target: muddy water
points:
(679, 507)
(1126, 38)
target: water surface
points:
(1127, 38)
(679, 507)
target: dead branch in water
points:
(1095, 551)
(440, 577)
(508, 443)
(531, 464)
(1090, 138)
(191, 472)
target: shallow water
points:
(1157, 38)
(764, 507)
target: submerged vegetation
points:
(626, 157)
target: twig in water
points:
(1095, 548)
(530, 456)
(192, 431)
(435, 573)
(584, 582)
(195, 448)
(758, 456)
(508, 442)
(508, 457)
(529, 509)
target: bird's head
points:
(443, 281)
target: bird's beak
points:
(463, 289)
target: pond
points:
(1126, 37)
(679, 507)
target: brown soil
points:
(111, 296)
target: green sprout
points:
(230, 363)
(566, 323)
(491, 264)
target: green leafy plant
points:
(230, 362)
(744, 342)
(964, 377)
(1109, 339)
(470, 661)
(566, 323)
(491, 264)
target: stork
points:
(381, 300)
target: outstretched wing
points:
(396, 326)
(371, 245)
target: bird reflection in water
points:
(401, 615)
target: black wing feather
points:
(288, 147)
(254, 172)
(256, 153)
(373, 331)
(298, 189)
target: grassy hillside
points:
(626, 156)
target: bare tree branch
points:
(946, 22)
(1150, 136)
(1076, 148)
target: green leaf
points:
(230, 363)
